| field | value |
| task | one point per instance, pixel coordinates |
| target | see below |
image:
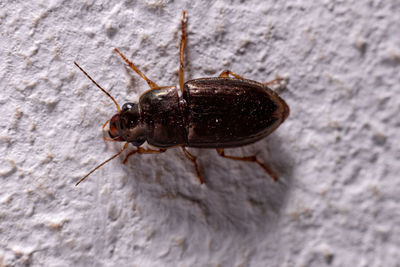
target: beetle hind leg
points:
(253, 158)
(193, 159)
(226, 73)
(277, 80)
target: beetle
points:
(219, 112)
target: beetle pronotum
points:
(220, 112)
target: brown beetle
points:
(220, 112)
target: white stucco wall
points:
(337, 155)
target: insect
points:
(221, 112)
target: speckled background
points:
(337, 155)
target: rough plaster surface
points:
(337, 201)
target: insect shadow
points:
(237, 198)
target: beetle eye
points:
(127, 106)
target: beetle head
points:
(127, 126)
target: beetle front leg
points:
(141, 150)
(193, 159)
(226, 73)
(253, 158)
(136, 69)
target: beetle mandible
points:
(219, 112)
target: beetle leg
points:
(141, 150)
(182, 52)
(226, 73)
(193, 159)
(277, 80)
(253, 158)
(149, 82)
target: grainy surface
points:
(336, 203)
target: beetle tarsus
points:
(252, 158)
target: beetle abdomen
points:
(228, 112)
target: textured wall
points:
(336, 203)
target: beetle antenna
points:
(101, 88)
(102, 164)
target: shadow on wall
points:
(238, 196)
